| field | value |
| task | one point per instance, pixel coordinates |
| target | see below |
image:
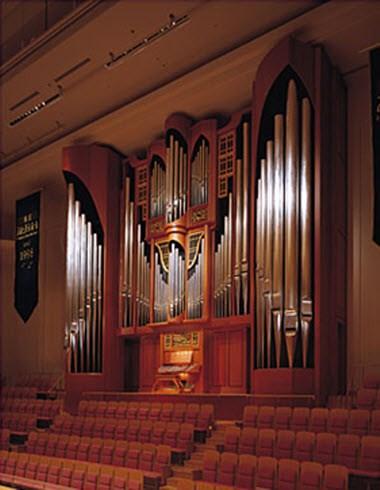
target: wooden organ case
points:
(235, 232)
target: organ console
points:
(218, 238)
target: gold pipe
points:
(306, 238)
(291, 323)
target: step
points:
(197, 456)
(186, 472)
(179, 483)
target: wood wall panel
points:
(149, 361)
(227, 354)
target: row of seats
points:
(362, 452)
(19, 422)
(173, 434)
(368, 398)
(247, 472)
(4, 438)
(44, 408)
(97, 449)
(201, 415)
(147, 457)
(335, 420)
(40, 472)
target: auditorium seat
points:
(21, 463)
(109, 429)
(192, 413)
(91, 477)
(231, 439)
(162, 462)
(120, 480)
(91, 408)
(88, 426)
(158, 432)
(265, 442)
(111, 410)
(369, 458)
(179, 412)
(358, 422)
(300, 419)
(250, 415)
(155, 411)
(210, 465)
(42, 439)
(31, 469)
(78, 476)
(171, 434)
(83, 448)
(167, 412)
(374, 429)
(310, 476)
(82, 408)
(335, 477)
(266, 472)
(66, 473)
(121, 410)
(284, 444)
(133, 430)
(147, 456)
(132, 410)
(146, 428)
(98, 428)
(42, 471)
(60, 449)
(304, 446)
(95, 450)
(105, 478)
(67, 426)
(78, 425)
(72, 447)
(133, 455)
(348, 450)
(31, 442)
(205, 418)
(338, 420)
(248, 440)
(120, 453)
(101, 408)
(325, 448)
(366, 397)
(143, 411)
(265, 418)
(51, 444)
(185, 438)
(53, 473)
(227, 468)
(282, 418)
(107, 450)
(318, 420)
(288, 474)
(121, 430)
(245, 472)
(10, 465)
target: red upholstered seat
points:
(248, 440)
(60, 449)
(51, 444)
(304, 446)
(88, 426)
(348, 450)
(133, 455)
(266, 472)
(78, 425)
(167, 412)
(105, 480)
(300, 419)
(32, 442)
(91, 408)
(82, 407)
(155, 411)
(366, 398)
(53, 473)
(110, 412)
(265, 442)
(282, 418)
(65, 476)
(185, 438)
(41, 443)
(310, 476)
(77, 479)
(91, 478)
(369, 458)
(121, 410)
(374, 429)
(210, 466)
(42, 471)
(318, 420)
(227, 468)
(72, 447)
(133, 430)
(120, 453)
(288, 474)
(121, 430)
(132, 410)
(171, 434)
(95, 450)
(98, 428)
(162, 462)
(143, 411)
(231, 439)
(147, 456)
(107, 450)
(83, 448)
(31, 469)
(21, 463)
(205, 418)
(179, 412)
(338, 420)
(192, 412)
(325, 448)
(146, 428)
(109, 429)
(265, 418)
(284, 444)
(245, 472)
(335, 477)
(10, 465)
(158, 431)
(250, 416)
(101, 408)
(358, 422)
(67, 426)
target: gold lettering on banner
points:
(199, 215)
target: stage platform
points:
(228, 406)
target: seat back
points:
(288, 474)
(348, 450)
(325, 448)
(227, 468)
(246, 471)
(284, 444)
(310, 476)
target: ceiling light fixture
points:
(173, 23)
(37, 108)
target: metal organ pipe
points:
(84, 290)
(284, 304)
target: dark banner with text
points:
(375, 101)
(27, 254)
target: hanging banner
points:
(27, 254)
(375, 105)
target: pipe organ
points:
(224, 229)
(84, 288)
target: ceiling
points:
(68, 61)
(203, 67)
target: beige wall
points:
(364, 254)
(37, 345)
